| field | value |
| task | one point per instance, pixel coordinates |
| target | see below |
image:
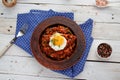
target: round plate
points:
(53, 64)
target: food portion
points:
(101, 3)
(58, 42)
(104, 50)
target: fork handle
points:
(5, 49)
(7, 46)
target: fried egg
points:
(57, 41)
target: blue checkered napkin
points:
(34, 17)
(77, 68)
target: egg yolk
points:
(57, 39)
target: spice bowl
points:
(104, 51)
(101, 3)
(106, 3)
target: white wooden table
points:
(16, 64)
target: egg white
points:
(55, 47)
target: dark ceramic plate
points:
(54, 64)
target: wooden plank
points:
(4, 39)
(27, 77)
(17, 64)
(82, 13)
(16, 51)
(64, 2)
(58, 2)
(100, 30)
(100, 71)
(22, 66)
(106, 31)
(115, 57)
(7, 26)
(29, 66)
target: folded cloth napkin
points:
(34, 17)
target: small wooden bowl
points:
(9, 4)
(54, 64)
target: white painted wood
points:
(65, 2)
(4, 40)
(5, 49)
(100, 30)
(16, 51)
(22, 66)
(27, 77)
(29, 66)
(115, 57)
(82, 13)
(16, 64)
(7, 26)
(106, 31)
(100, 71)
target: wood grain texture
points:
(16, 51)
(115, 50)
(7, 26)
(16, 64)
(107, 31)
(29, 66)
(65, 2)
(82, 13)
(27, 77)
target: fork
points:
(21, 32)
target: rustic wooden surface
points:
(16, 64)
